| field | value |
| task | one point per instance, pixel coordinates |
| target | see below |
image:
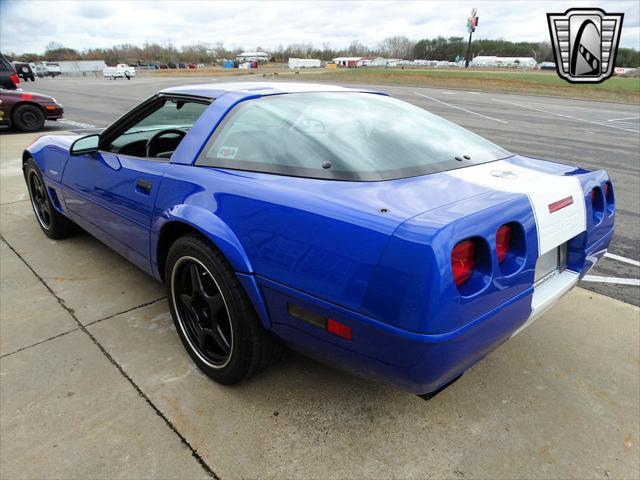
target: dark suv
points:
(8, 77)
(24, 71)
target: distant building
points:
(492, 61)
(376, 62)
(347, 62)
(295, 63)
(253, 57)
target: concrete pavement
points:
(95, 383)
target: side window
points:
(261, 136)
(160, 132)
(171, 115)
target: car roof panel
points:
(215, 90)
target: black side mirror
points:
(88, 144)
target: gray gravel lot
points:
(95, 383)
(589, 134)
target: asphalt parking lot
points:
(95, 383)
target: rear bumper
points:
(595, 251)
(415, 362)
(548, 293)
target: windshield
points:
(342, 136)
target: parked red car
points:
(27, 111)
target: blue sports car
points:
(353, 227)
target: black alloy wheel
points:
(39, 200)
(202, 312)
(213, 315)
(53, 223)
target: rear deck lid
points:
(557, 200)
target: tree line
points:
(398, 47)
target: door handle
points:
(143, 186)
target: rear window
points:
(342, 136)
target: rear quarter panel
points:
(277, 228)
(413, 288)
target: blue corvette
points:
(355, 228)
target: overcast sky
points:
(28, 26)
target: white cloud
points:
(28, 26)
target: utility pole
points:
(472, 23)
(466, 62)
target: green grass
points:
(616, 89)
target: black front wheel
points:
(215, 319)
(53, 224)
(28, 118)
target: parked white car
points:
(122, 70)
(52, 69)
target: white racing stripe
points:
(542, 189)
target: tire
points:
(53, 224)
(28, 118)
(216, 321)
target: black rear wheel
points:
(203, 311)
(215, 319)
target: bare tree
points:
(357, 49)
(397, 47)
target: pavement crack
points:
(125, 311)
(39, 343)
(12, 203)
(70, 311)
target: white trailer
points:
(295, 63)
(122, 70)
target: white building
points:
(493, 61)
(377, 62)
(253, 57)
(295, 63)
(347, 62)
